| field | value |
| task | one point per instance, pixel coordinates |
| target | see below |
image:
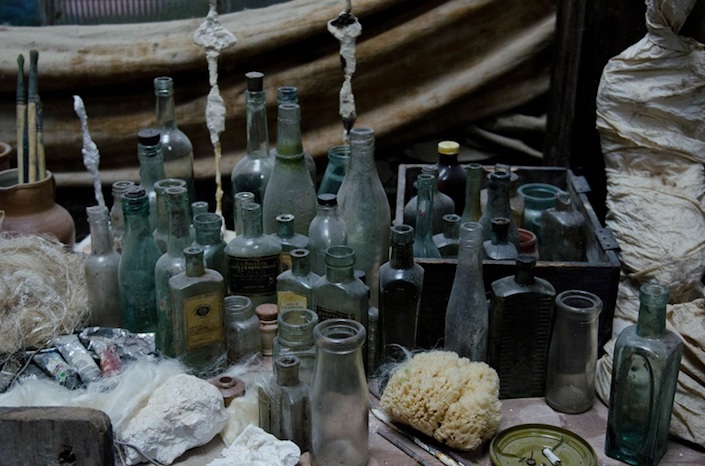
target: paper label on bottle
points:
(253, 276)
(326, 313)
(203, 320)
(287, 300)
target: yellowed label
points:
(287, 300)
(204, 320)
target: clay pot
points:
(31, 208)
(5, 150)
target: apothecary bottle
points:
(101, 269)
(199, 323)
(208, 227)
(644, 376)
(251, 173)
(161, 232)
(288, 239)
(290, 95)
(447, 241)
(451, 175)
(295, 286)
(290, 419)
(442, 203)
(338, 160)
(572, 356)
(364, 207)
(117, 220)
(563, 233)
(295, 337)
(466, 322)
(339, 395)
(136, 271)
(151, 160)
(474, 177)
(400, 284)
(243, 338)
(253, 260)
(197, 207)
(498, 247)
(176, 145)
(497, 205)
(327, 229)
(239, 200)
(423, 239)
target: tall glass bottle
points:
(151, 159)
(497, 205)
(239, 200)
(292, 190)
(327, 229)
(562, 232)
(364, 207)
(442, 203)
(451, 175)
(474, 177)
(644, 375)
(289, 240)
(253, 260)
(466, 323)
(295, 337)
(198, 320)
(252, 172)
(290, 95)
(197, 207)
(400, 284)
(137, 261)
(338, 160)
(101, 269)
(209, 236)
(423, 240)
(295, 286)
(447, 241)
(177, 147)
(117, 220)
(161, 232)
(499, 248)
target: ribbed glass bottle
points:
(327, 229)
(151, 159)
(447, 241)
(295, 286)
(338, 160)
(289, 240)
(497, 205)
(498, 247)
(209, 236)
(290, 95)
(117, 220)
(161, 232)
(101, 269)
(442, 203)
(451, 175)
(423, 239)
(474, 178)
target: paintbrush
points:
(41, 158)
(21, 116)
(32, 115)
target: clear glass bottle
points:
(466, 322)
(497, 205)
(364, 207)
(292, 190)
(199, 336)
(290, 95)
(644, 376)
(137, 261)
(338, 160)
(327, 229)
(572, 355)
(339, 294)
(442, 203)
(117, 220)
(339, 397)
(499, 248)
(400, 284)
(151, 159)
(171, 263)
(521, 318)
(474, 177)
(101, 270)
(295, 337)
(176, 145)
(253, 260)
(289, 240)
(563, 233)
(451, 175)
(290, 419)
(161, 232)
(251, 173)
(197, 207)
(239, 200)
(537, 198)
(423, 241)
(209, 236)
(447, 241)
(295, 286)
(242, 329)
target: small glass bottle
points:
(339, 294)
(327, 229)
(423, 240)
(267, 314)
(197, 207)
(242, 324)
(572, 356)
(209, 236)
(442, 203)
(466, 322)
(295, 337)
(290, 95)
(474, 177)
(451, 175)
(151, 159)
(177, 147)
(253, 260)
(499, 248)
(537, 198)
(288, 239)
(136, 271)
(161, 232)
(291, 416)
(339, 397)
(498, 206)
(563, 232)
(101, 269)
(292, 190)
(521, 317)
(117, 220)
(295, 286)
(447, 241)
(199, 336)
(644, 376)
(338, 160)
(239, 200)
(400, 284)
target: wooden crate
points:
(598, 275)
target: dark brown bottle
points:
(451, 175)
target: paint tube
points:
(74, 353)
(53, 364)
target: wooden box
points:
(598, 275)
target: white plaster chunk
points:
(255, 447)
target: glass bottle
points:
(290, 421)
(161, 232)
(209, 236)
(198, 330)
(177, 147)
(288, 239)
(295, 337)
(101, 269)
(497, 205)
(117, 220)
(240, 199)
(295, 286)
(339, 397)
(447, 241)
(466, 322)
(197, 207)
(451, 175)
(171, 263)
(290, 95)
(136, 271)
(563, 233)
(442, 203)
(251, 173)
(242, 325)
(327, 229)
(292, 190)
(364, 207)
(474, 176)
(572, 355)
(521, 317)
(644, 375)
(423, 240)
(400, 284)
(151, 159)
(253, 260)
(338, 160)
(499, 248)
(537, 198)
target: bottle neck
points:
(300, 265)
(195, 267)
(653, 302)
(287, 371)
(166, 117)
(252, 223)
(101, 242)
(257, 127)
(498, 200)
(402, 256)
(289, 144)
(206, 235)
(362, 157)
(285, 229)
(151, 159)
(179, 234)
(473, 187)
(326, 210)
(470, 249)
(447, 159)
(136, 213)
(424, 207)
(339, 274)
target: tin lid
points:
(448, 147)
(540, 443)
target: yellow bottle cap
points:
(448, 147)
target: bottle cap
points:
(255, 81)
(448, 147)
(327, 199)
(266, 312)
(149, 136)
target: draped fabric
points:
(423, 67)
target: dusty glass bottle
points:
(447, 241)
(136, 271)
(423, 239)
(151, 159)
(251, 173)
(290, 416)
(327, 229)
(117, 220)
(521, 319)
(497, 205)
(295, 336)
(253, 260)
(288, 239)
(339, 397)
(101, 269)
(474, 177)
(644, 376)
(197, 207)
(537, 198)
(498, 247)
(338, 160)
(563, 233)
(243, 338)
(161, 232)
(295, 286)
(176, 145)
(466, 322)
(240, 199)
(442, 203)
(400, 284)
(290, 95)
(451, 175)
(364, 207)
(198, 329)
(209, 236)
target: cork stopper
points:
(266, 312)
(255, 81)
(149, 136)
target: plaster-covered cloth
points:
(649, 117)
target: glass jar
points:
(537, 198)
(242, 328)
(295, 336)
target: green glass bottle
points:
(295, 286)
(499, 248)
(447, 241)
(151, 159)
(474, 177)
(209, 236)
(338, 160)
(198, 207)
(498, 205)
(290, 95)
(339, 294)
(289, 240)
(161, 233)
(423, 239)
